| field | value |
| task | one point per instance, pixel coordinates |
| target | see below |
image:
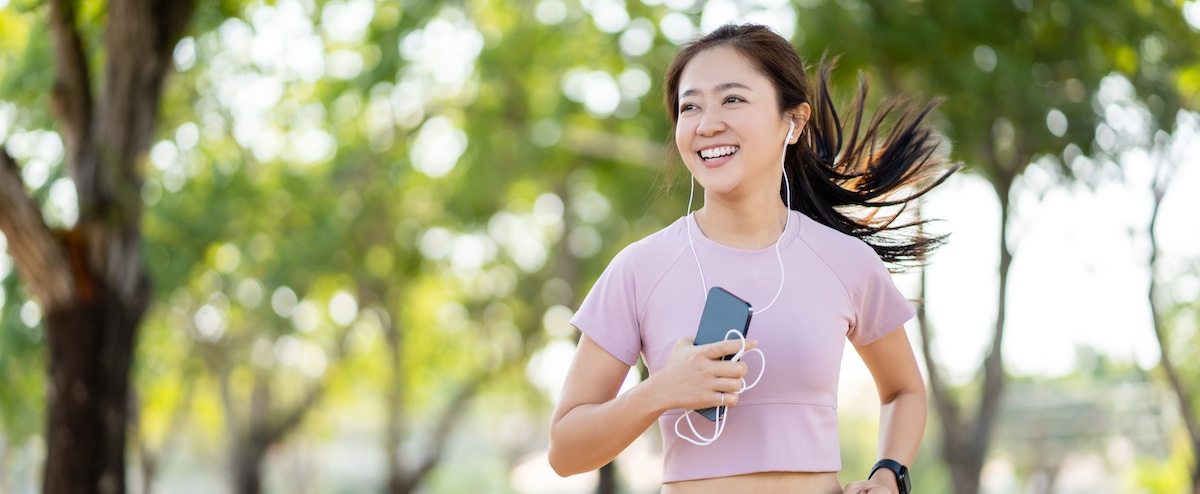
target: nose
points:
(710, 124)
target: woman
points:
(786, 242)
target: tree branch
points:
(174, 15)
(449, 419)
(179, 415)
(37, 253)
(72, 96)
(276, 430)
(993, 363)
(1164, 172)
(947, 410)
(292, 418)
(141, 41)
(565, 268)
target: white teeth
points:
(713, 153)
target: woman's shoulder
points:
(849, 257)
(827, 241)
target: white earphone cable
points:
(786, 222)
(722, 409)
(722, 419)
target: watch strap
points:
(902, 480)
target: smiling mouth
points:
(712, 154)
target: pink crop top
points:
(836, 288)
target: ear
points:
(799, 115)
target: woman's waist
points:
(759, 482)
(776, 437)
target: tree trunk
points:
(1183, 393)
(247, 477)
(608, 479)
(966, 458)
(395, 408)
(965, 443)
(266, 425)
(90, 281)
(247, 444)
(91, 348)
(91, 324)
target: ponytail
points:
(848, 188)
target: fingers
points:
(865, 487)
(725, 371)
(700, 375)
(718, 349)
(712, 355)
(729, 385)
(725, 399)
(727, 347)
(725, 393)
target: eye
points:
(734, 99)
(685, 107)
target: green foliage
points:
(25, 70)
(858, 435)
(25, 61)
(353, 219)
(22, 356)
(1164, 475)
(434, 165)
(1038, 63)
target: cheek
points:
(683, 139)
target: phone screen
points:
(723, 311)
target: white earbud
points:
(783, 166)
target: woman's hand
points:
(882, 482)
(695, 377)
(866, 487)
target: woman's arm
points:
(902, 405)
(592, 425)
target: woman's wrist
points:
(647, 397)
(886, 478)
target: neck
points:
(753, 223)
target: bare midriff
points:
(757, 483)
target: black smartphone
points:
(723, 311)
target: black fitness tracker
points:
(902, 479)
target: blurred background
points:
(366, 224)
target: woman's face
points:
(730, 132)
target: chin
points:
(718, 187)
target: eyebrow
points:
(720, 87)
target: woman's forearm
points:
(591, 435)
(594, 423)
(901, 426)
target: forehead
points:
(719, 66)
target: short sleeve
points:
(879, 306)
(609, 314)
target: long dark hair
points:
(841, 185)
